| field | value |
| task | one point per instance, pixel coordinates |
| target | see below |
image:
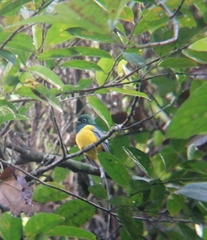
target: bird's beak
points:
(76, 121)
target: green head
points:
(84, 120)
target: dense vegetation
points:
(139, 68)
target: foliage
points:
(139, 67)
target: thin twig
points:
(62, 146)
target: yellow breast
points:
(84, 138)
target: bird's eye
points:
(84, 120)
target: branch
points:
(30, 155)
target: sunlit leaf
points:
(106, 64)
(199, 57)
(200, 45)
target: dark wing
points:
(98, 133)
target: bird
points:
(87, 133)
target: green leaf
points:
(199, 57)
(93, 36)
(47, 96)
(58, 53)
(127, 15)
(27, 92)
(128, 92)
(60, 174)
(8, 56)
(106, 64)
(41, 223)
(37, 36)
(76, 212)
(151, 20)
(82, 84)
(8, 112)
(101, 109)
(187, 232)
(41, 19)
(98, 190)
(114, 8)
(47, 74)
(8, 222)
(116, 142)
(197, 191)
(195, 166)
(157, 195)
(121, 201)
(200, 45)
(92, 52)
(114, 168)
(57, 33)
(21, 42)
(139, 192)
(124, 235)
(12, 6)
(174, 204)
(190, 119)
(129, 223)
(82, 65)
(71, 232)
(82, 15)
(134, 59)
(178, 63)
(46, 194)
(22, 54)
(140, 158)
